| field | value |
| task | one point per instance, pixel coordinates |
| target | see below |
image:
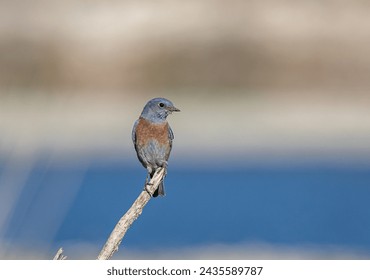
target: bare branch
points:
(59, 255)
(115, 238)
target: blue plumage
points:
(152, 137)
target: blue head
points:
(157, 109)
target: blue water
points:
(290, 205)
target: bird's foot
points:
(146, 189)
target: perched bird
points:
(152, 137)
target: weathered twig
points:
(115, 238)
(59, 255)
(119, 231)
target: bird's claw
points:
(146, 189)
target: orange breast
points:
(146, 131)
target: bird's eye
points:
(161, 105)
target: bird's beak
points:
(173, 109)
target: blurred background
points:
(272, 146)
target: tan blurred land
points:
(254, 76)
(166, 44)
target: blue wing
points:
(133, 134)
(170, 134)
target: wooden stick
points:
(59, 255)
(115, 238)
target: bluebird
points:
(152, 137)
